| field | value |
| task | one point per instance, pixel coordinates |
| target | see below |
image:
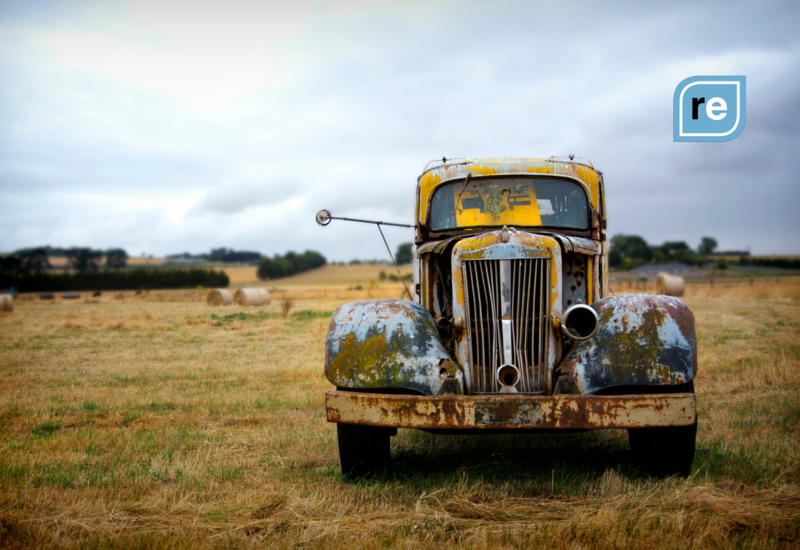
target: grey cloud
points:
(236, 197)
(376, 93)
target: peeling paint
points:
(376, 344)
(494, 200)
(511, 411)
(393, 344)
(441, 174)
(642, 340)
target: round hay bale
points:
(266, 299)
(6, 302)
(219, 297)
(247, 297)
(669, 285)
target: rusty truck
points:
(512, 326)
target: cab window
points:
(519, 201)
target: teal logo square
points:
(709, 108)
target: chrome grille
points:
(526, 305)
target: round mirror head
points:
(323, 217)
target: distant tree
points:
(707, 246)
(403, 256)
(615, 258)
(229, 255)
(289, 264)
(218, 254)
(675, 251)
(83, 259)
(34, 259)
(116, 258)
(630, 250)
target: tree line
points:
(785, 263)
(403, 256)
(222, 254)
(116, 279)
(290, 263)
(629, 251)
(80, 258)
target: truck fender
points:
(641, 340)
(388, 344)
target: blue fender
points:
(641, 340)
(388, 344)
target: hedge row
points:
(122, 279)
(290, 263)
(770, 262)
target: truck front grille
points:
(529, 309)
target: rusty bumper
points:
(511, 411)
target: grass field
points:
(147, 422)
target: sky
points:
(171, 126)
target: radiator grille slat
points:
(529, 306)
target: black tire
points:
(664, 452)
(363, 450)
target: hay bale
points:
(248, 297)
(219, 297)
(669, 285)
(6, 302)
(266, 299)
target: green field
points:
(140, 423)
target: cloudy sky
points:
(173, 126)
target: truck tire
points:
(664, 452)
(363, 450)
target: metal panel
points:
(511, 411)
(642, 340)
(507, 310)
(379, 344)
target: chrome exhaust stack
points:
(580, 322)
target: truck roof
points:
(449, 170)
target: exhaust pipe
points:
(580, 322)
(508, 375)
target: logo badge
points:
(709, 108)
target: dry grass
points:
(330, 277)
(332, 282)
(143, 423)
(286, 307)
(754, 289)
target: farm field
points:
(154, 421)
(339, 277)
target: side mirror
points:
(323, 217)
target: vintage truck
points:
(512, 326)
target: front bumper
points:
(449, 412)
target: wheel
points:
(363, 450)
(663, 452)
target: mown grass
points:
(141, 424)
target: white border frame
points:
(738, 107)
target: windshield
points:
(517, 201)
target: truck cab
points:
(512, 326)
